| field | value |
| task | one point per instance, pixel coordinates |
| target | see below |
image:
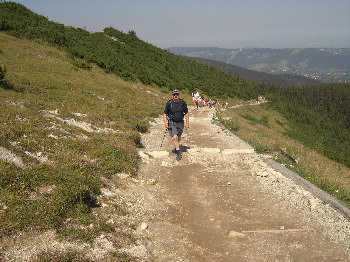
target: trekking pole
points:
(163, 138)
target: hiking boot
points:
(175, 151)
(178, 155)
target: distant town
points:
(326, 76)
(325, 65)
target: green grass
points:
(340, 191)
(41, 79)
(86, 233)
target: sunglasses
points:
(175, 94)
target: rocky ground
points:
(221, 202)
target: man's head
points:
(175, 94)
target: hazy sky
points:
(203, 23)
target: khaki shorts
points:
(176, 128)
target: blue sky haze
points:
(203, 23)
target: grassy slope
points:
(267, 130)
(39, 79)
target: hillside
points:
(324, 65)
(260, 77)
(64, 132)
(73, 108)
(124, 55)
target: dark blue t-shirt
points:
(176, 111)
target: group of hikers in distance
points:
(199, 102)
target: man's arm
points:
(187, 117)
(165, 120)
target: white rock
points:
(47, 189)
(159, 154)
(9, 157)
(143, 226)
(210, 150)
(313, 204)
(193, 150)
(110, 193)
(122, 175)
(137, 251)
(262, 174)
(143, 155)
(102, 246)
(236, 234)
(167, 164)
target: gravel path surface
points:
(223, 202)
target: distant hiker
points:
(174, 113)
(195, 99)
(210, 102)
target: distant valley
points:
(325, 65)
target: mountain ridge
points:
(261, 77)
(322, 64)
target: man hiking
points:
(174, 113)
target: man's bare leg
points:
(177, 140)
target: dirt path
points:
(222, 202)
